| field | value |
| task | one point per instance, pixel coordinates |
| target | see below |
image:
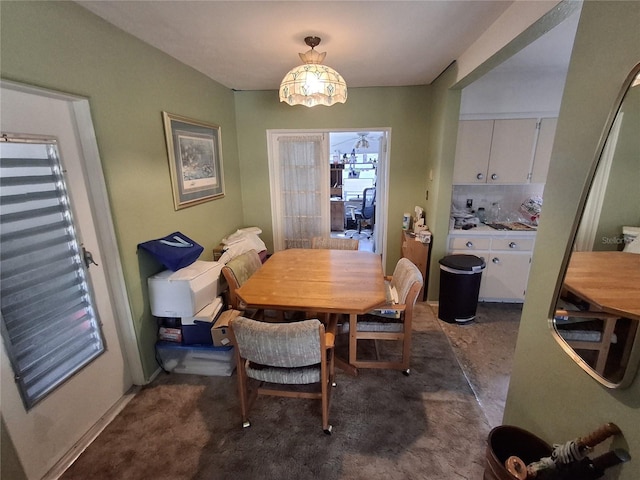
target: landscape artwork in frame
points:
(195, 160)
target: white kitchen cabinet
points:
(507, 258)
(473, 148)
(542, 157)
(494, 151)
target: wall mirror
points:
(597, 308)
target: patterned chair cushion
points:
(245, 265)
(404, 275)
(289, 376)
(286, 345)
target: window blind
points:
(49, 324)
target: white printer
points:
(185, 292)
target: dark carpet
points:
(385, 426)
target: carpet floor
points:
(385, 426)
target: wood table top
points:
(610, 281)
(317, 280)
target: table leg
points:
(347, 365)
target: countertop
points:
(482, 230)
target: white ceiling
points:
(250, 45)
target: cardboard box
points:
(170, 334)
(220, 330)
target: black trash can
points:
(460, 277)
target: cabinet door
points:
(505, 278)
(472, 151)
(511, 150)
(542, 158)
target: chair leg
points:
(327, 372)
(243, 393)
(406, 352)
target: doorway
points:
(350, 161)
(67, 412)
(358, 174)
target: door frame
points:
(382, 181)
(101, 211)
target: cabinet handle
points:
(495, 260)
(494, 176)
(469, 244)
(480, 176)
(513, 245)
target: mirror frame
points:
(634, 358)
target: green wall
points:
(61, 46)
(549, 394)
(404, 109)
(621, 203)
(443, 130)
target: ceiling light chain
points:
(312, 83)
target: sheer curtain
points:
(301, 198)
(586, 234)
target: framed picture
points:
(195, 160)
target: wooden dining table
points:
(325, 281)
(608, 281)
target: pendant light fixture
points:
(312, 83)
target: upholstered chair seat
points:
(281, 354)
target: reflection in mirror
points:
(598, 306)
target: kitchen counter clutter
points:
(484, 229)
(507, 254)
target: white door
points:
(49, 430)
(319, 177)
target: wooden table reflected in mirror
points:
(599, 309)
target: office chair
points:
(365, 212)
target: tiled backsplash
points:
(510, 197)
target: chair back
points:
(238, 270)
(368, 203)
(335, 243)
(405, 275)
(286, 345)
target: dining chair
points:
(281, 356)
(394, 321)
(335, 243)
(236, 272)
(589, 330)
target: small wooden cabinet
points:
(337, 215)
(418, 253)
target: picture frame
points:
(195, 160)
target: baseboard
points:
(81, 445)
